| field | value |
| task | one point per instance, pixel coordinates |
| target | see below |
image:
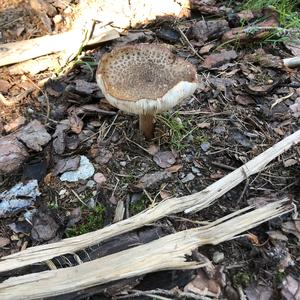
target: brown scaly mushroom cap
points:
(145, 78)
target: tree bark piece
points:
(188, 204)
(166, 253)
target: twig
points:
(189, 44)
(279, 100)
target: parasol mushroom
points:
(145, 79)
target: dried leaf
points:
(4, 242)
(152, 178)
(292, 227)
(277, 235)
(293, 46)
(174, 169)
(15, 124)
(85, 86)
(75, 122)
(4, 86)
(165, 195)
(244, 100)
(99, 178)
(164, 159)
(153, 149)
(202, 285)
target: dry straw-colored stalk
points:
(165, 253)
(188, 204)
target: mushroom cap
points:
(145, 78)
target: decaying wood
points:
(11, 53)
(293, 62)
(99, 13)
(188, 204)
(163, 254)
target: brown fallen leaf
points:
(277, 235)
(15, 124)
(34, 135)
(292, 227)
(206, 48)
(164, 159)
(244, 100)
(4, 242)
(153, 149)
(293, 46)
(164, 195)
(99, 178)
(174, 168)
(85, 87)
(76, 124)
(202, 285)
(4, 86)
(259, 89)
(216, 60)
(149, 179)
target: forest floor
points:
(247, 101)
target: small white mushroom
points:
(145, 79)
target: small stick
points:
(279, 100)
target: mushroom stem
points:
(147, 126)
